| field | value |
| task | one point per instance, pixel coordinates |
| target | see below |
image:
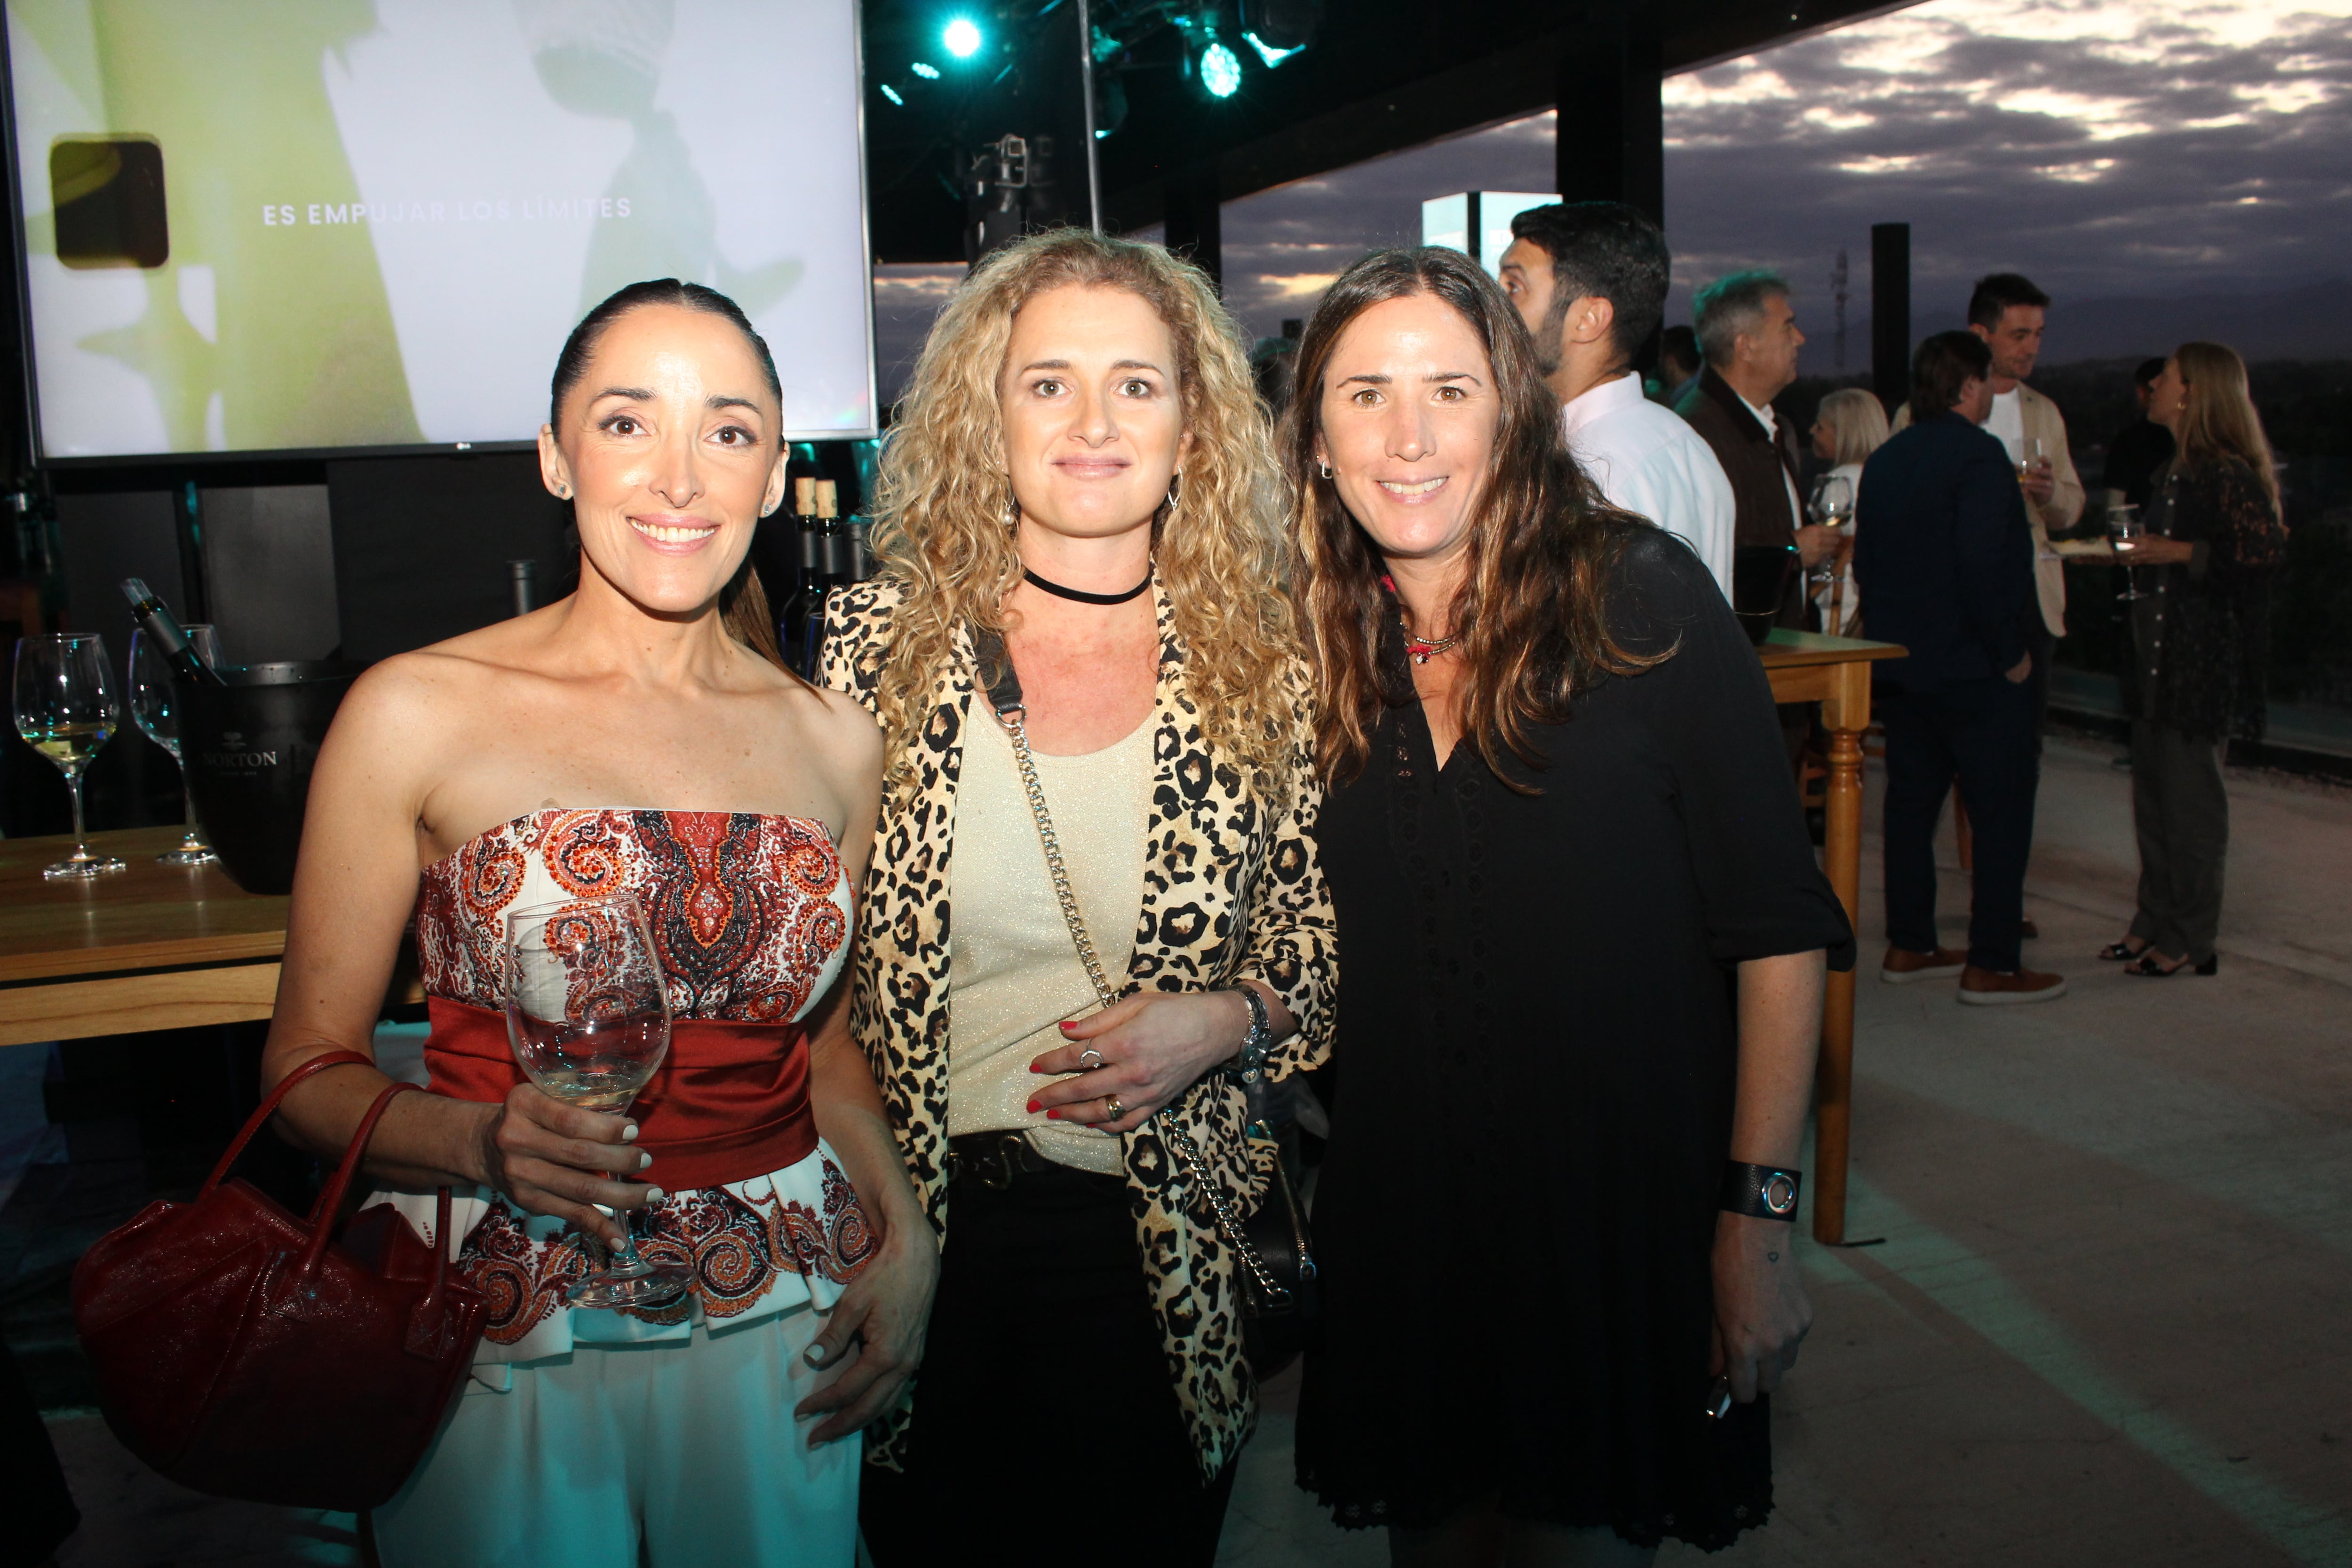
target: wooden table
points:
(152, 947)
(1809, 667)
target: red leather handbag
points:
(241, 1352)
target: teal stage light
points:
(925, 69)
(961, 38)
(1220, 70)
(892, 94)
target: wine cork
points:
(803, 490)
(828, 498)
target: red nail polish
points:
(1052, 1115)
(1033, 1107)
(1068, 1024)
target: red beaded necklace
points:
(1420, 649)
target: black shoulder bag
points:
(1280, 1310)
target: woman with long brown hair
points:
(1585, 939)
(1096, 900)
(2199, 640)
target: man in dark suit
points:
(1747, 332)
(1944, 556)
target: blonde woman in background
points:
(2201, 640)
(1850, 427)
(1081, 485)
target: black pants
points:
(1979, 735)
(2044, 649)
(2181, 813)
(1045, 1426)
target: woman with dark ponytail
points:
(640, 736)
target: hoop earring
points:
(1325, 469)
(1175, 496)
(1011, 508)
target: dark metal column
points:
(1611, 143)
(1890, 312)
(1195, 219)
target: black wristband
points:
(1760, 1192)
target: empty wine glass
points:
(158, 715)
(66, 711)
(1832, 508)
(2125, 531)
(588, 1016)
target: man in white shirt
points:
(1590, 279)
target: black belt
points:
(993, 1159)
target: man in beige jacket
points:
(2007, 312)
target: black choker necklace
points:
(1083, 597)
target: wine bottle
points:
(830, 570)
(791, 617)
(165, 634)
(834, 545)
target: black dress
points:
(1537, 1047)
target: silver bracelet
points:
(1250, 1060)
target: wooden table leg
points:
(1845, 715)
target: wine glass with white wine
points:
(2125, 531)
(588, 1016)
(158, 715)
(66, 711)
(1832, 508)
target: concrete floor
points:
(2109, 1321)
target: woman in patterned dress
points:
(641, 735)
(1082, 469)
(2201, 640)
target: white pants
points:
(688, 1444)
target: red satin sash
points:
(731, 1103)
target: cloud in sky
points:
(2108, 148)
(2114, 150)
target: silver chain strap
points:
(1188, 1154)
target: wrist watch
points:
(1251, 1059)
(1760, 1192)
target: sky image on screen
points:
(289, 224)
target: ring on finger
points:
(1112, 1109)
(1090, 1060)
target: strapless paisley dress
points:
(750, 916)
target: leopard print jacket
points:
(1231, 890)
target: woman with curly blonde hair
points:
(1100, 790)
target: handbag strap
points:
(331, 1199)
(1002, 685)
(269, 1103)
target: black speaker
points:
(424, 545)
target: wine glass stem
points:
(188, 808)
(625, 1255)
(81, 836)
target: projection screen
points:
(281, 226)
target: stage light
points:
(1220, 70)
(1268, 53)
(961, 38)
(925, 69)
(892, 94)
